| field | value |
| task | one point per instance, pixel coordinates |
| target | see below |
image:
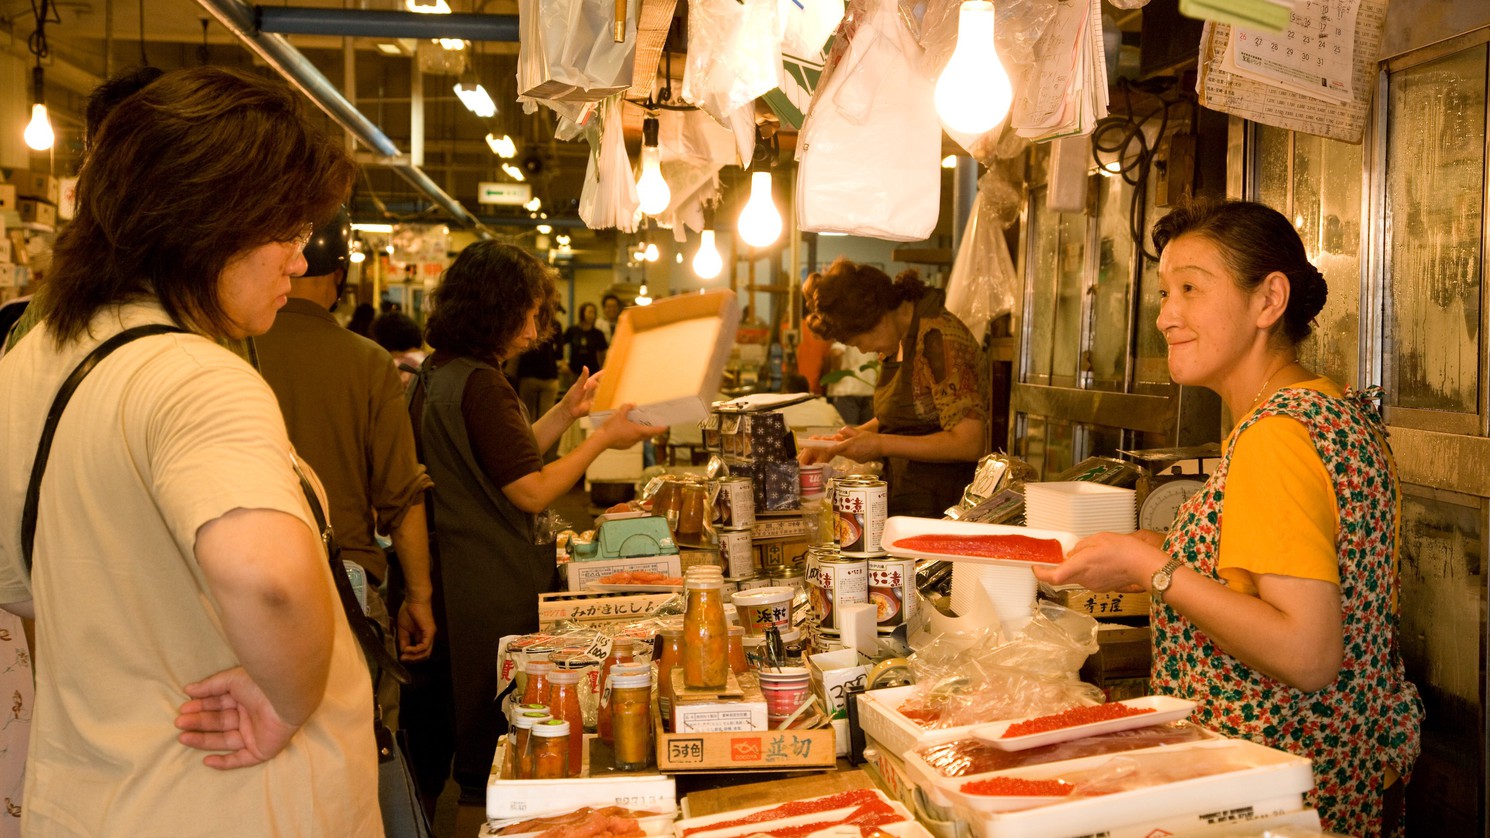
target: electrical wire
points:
(43, 12)
(1120, 138)
(144, 59)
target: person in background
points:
(485, 455)
(587, 344)
(812, 355)
(183, 600)
(400, 335)
(362, 319)
(851, 392)
(538, 371)
(931, 400)
(1274, 595)
(610, 315)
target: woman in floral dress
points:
(1274, 594)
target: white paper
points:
(1314, 56)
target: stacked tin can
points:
(859, 508)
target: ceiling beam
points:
(371, 23)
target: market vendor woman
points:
(1274, 594)
(930, 406)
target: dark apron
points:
(920, 489)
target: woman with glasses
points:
(184, 603)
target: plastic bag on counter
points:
(608, 198)
(965, 757)
(567, 50)
(869, 150)
(806, 25)
(734, 55)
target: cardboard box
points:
(765, 750)
(1100, 604)
(787, 552)
(792, 527)
(8, 196)
(833, 674)
(747, 713)
(597, 606)
(668, 358)
(33, 211)
(580, 574)
(508, 798)
(37, 185)
(7, 276)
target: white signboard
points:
(504, 194)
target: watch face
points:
(1163, 503)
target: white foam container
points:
(656, 825)
(900, 526)
(908, 828)
(508, 799)
(883, 722)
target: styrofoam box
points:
(580, 574)
(883, 722)
(507, 798)
(1275, 785)
(661, 824)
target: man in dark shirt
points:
(587, 344)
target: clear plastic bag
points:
(734, 55)
(983, 284)
(806, 25)
(609, 195)
(567, 51)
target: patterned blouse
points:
(948, 378)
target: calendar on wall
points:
(1314, 56)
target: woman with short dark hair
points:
(183, 600)
(931, 400)
(484, 454)
(1275, 592)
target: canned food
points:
(892, 589)
(791, 577)
(753, 582)
(860, 504)
(833, 581)
(810, 478)
(737, 552)
(735, 504)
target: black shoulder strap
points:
(49, 429)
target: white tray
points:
(655, 825)
(1166, 709)
(880, 716)
(900, 526)
(908, 828)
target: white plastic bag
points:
(806, 25)
(870, 148)
(982, 285)
(567, 50)
(734, 54)
(609, 195)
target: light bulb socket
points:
(37, 88)
(649, 131)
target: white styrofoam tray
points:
(880, 716)
(508, 799)
(656, 825)
(900, 526)
(908, 828)
(1166, 709)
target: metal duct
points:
(238, 17)
(368, 23)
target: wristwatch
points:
(1160, 581)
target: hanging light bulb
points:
(973, 93)
(641, 296)
(651, 254)
(651, 190)
(678, 257)
(357, 257)
(544, 229)
(38, 134)
(706, 262)
(476, 99)
(760, 223)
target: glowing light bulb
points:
(652, 191)
(474, 96)
(949, 162)
(641, 296)
(357, 257)
(678, 257)
(651, 254)
(706, 262)
(38, 133)
(760, 223)
(545, 229)
(973, 93)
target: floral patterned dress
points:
(1369, 717)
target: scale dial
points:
(1163, 503)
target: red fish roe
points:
(1073, 717)
(1019, 548)
(864, 799)
(1017, 787)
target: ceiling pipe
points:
(370, 23)
(238, 18)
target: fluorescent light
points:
(451, 44)
(475, 98)
(545, 229)
(562, 239)
(832, 234)
(533, 205)
(513, 172)
(357, 257)
(438, 7)
(372, 228)
(389, 48)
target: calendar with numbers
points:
(1314, 56)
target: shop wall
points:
(15, 111)
(1412, 24)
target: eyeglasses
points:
(303, 239)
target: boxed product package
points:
(7, 196)
(38, 185)
(759, 437)
(668, 358)
(745, 712)
(769, 750)
(33, 211)
(777, 484)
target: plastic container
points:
(549, 744)
(672, 653)
(536, 690)
(631, 708)
(785, 690)
(522, 731)
(563, 703)
(762, 607)
(620, 652)
(705, 637)
(737, 662)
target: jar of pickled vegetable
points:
(705, 634)
(620, 652)
(563, 703)
(536, 690)
(737, 662)
(631, 710)
(522, 731)
(549, 745)
(672, 653)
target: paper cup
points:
(759, 608)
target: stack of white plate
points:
(1079, 507)
(1007, 590)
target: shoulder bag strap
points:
(49, 429)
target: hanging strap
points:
(362, 627)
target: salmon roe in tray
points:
(1018, 787)
(1072, 718)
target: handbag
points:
(362, 627)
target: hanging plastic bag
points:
(806, 25)
(734, 55)
(567, 51)
(609, 195)
(870, 148)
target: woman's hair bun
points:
(1307, 294)
(909, 285)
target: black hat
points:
(329, 244)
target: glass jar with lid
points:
(631, 712)
(563, 703)
(549, 744)
(522, 731)
(705, 633)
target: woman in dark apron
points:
(930, 406)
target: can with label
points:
(833, 581)
(892, 590)
(737, 552)
(750, 583)
(860, 504)
(735, 504)
(791, 577)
